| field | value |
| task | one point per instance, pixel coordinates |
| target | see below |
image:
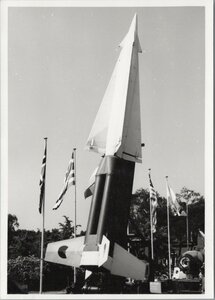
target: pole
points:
(187, 226)
(42, 232)
(168, 229)
(75, 207)
(41, 254)
(152, 246)
(128, 245)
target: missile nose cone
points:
(132, 35)
(134, 24)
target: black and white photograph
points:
(107, 149)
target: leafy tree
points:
(194, 204)
(188, 196)
(24, 243)
(12, 226)
(25, 270)
(55, 235)
(66, 228)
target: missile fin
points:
(125, 264)
(66, 252)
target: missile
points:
(116, 136)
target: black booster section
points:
(110, 205)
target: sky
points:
(60, 61)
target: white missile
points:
(116, 134)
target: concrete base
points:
(155, 287)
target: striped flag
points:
(43, 178)
(175, 207)
(154, 204)
(68, 181)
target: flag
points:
(90, 190)
(68, 181)
(154, 204)
(43, 178)
(175, 207)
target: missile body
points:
(116, 135)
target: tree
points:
(194, 204)
(12, 226)
(52, 236)
(188, 196)
(25, 270)
(66, 228)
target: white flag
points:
(175, 207)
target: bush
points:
(25, 270)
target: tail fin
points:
(67, 252)
(125, 264)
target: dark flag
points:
(43, 178)
(89, 191)
(68, 181)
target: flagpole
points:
(152, 246)
(42, 233)
(187, 226)
(168, 230)
(74, 149)
(42, 246)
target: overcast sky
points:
(60, 63)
